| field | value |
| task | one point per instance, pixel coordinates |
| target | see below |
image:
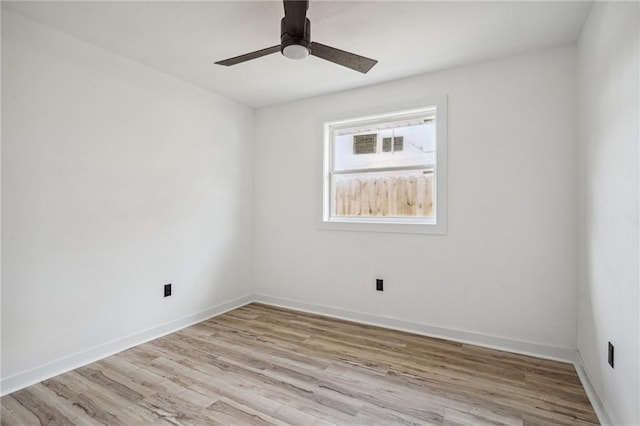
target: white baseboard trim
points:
(604, 414)
(49, 370)
(500, 343)
(62, 365)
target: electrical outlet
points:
(610, 356)
(167, 290)
(379, 285)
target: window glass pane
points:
(386, 144)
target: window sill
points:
(392, 227)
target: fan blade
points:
(295, 15)
(340, 57)
(249, 56)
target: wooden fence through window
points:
(403, 196)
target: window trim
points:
(386, 224)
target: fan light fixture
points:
(295, 51)
(295, 42)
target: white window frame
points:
(437, 225)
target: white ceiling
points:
(184, 39)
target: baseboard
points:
(49, 370)
(500, 343)
(62, 365)
(603, 413)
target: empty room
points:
(320, 213)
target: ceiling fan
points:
(295, 42)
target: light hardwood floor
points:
(263, 365)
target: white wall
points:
(116, 179)
(608, 53)
(507, 266)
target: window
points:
(387, 172)
(397, 145)
(365, 144)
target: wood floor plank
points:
(101, 403)
(17, 412)
(76, 406)
(262, 365)
(175, 410)
(233, 413)
(45, 413)
(8, 418)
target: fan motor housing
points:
(287, 39)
